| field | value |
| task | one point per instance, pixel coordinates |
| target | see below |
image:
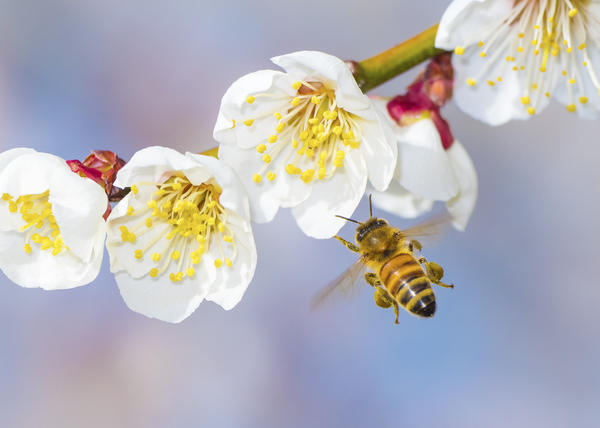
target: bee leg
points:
(372, 279)
(396, 311)
(347, 244)
(382, 298)
(435, 273)
(414, 244)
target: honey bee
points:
(400, 277)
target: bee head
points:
(369, 226)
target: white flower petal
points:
(464, 20)
(322, 67)
(232, 282)
(42, 269)
(9, 155)
(339, 195)
(234, 107)
(380, 152)
(423, 165)
(160, 298)
(77, 205)
(461, 206)
(399, 201)
(156, 164)
(265, 197)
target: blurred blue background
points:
(514, 344)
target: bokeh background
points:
(514, 344)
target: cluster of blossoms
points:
(305, 138)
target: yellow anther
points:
(156, 257)
(271, 176)
(173, 277)
(520, 49)
(525, 100)
(257, 178)
(221, 227)
(228, 262)
(248, 122)
(338, 162)
(499, 79)
(295, 101)
(536, 51)
(543, 68)
(138, 254)
(564, 72)
(536, 27)
(572, 13)
(582, 46)
(534, 86)
(190, 272)
(585, 63)
(523, 67)
(227, 238)
(471, 81)
(491, 83)
(148, 222)
(266, 158)
(261, 148)
(569, 49)
(310, 153)
(130, 210)
(292, 169)
(280, 127)
(295, 144)
(218, 263)
(482, 54)
(304, 135)
(521, 35)
(250, 99)
(152, 203)
(337, 130)
(177, 185)
(547, 94)
(354, 144)
(571, 108)
(233, 123)
(572, 81)
(459, 50)
(322, 173)
(323, 155)
(175, 255)
(272, 138)
(307, 175)
(28, 249)
(134, 189)
(315, 100)
(583, 100)
(480, 44)
(340, 154)
(534, 43)
(153, 272)
(297, 85)
(200, 239)
(531, 110)
(12, 206)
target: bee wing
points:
(343, 286)
(431, 228)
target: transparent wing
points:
(430, 229)
(343, 286)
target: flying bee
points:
(400, 277)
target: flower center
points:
(313, 133)
(549, 36)
(40, 225)
(187, 217)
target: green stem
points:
(376, 70)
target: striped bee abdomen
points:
(405, 280)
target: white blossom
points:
(426, 172)
(306, 138)
(512, 56)
(51, 226)
(181, 235)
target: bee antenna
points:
(349, 219)
(370, 206)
